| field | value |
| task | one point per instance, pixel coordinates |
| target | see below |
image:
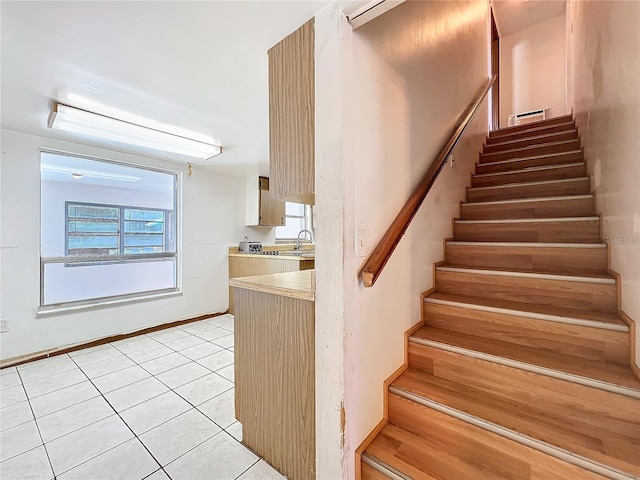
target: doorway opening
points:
(495, 70)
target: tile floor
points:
(156, 407)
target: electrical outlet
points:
(4, 325)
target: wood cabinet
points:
(275, 370)
(262, 207)
(249, 265)
(291, 116)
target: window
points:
(297, 217)
(108, 231)
(115, 230)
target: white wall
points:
(532, 69)
(604, 68)
(385, 104)
(213, 212)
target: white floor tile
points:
(48, 361)
(121, 378)
(10, 379)
(226, 342)
(164, 336)
(84, 351)
(235, 430)
(261, 471)
(203, 389)
(182, 374)
(227, 372)
(76, 448)
(32, 465)
(18, 440)
(177, 436)
(150, 414)
(54, 382)
(158, 475)
(12, 395)
(217, 360)
(201, 350)
(7, 370)
(219, 458)
(129, 461)
(212, 333)
(162, 364)
(30, 372)
(63, 398)
(135, 393)
(223, 321)
(96, 356)
(15, 414)
(150, 353)
(195, 327)
(73, 418)
(107, 366)
(184, 342)
(140, 343)
(220, 409)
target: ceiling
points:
(514, 15)
(195, 65)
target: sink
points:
(300, 253)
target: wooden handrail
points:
(381, 254)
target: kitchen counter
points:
(252, 264)
(282, 256)
(299, 284)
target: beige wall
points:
(402, 81)
(532, 69)
(604, 72)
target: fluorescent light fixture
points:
(83, 122)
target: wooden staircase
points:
(521, 366)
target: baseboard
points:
(385, 409)
(633, 332)
(12, 362)
(365, 443)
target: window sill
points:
(79, 306)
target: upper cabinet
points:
(291, 116)
(262, 207)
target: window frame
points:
(308, 222)
(45, 309)
(121, 229)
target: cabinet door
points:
(291, 116)
(272, 211)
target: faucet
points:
(299, 242)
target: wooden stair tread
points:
(564, 426)
(612, 374)
(453, 450)
(498, 271)
(594, 316)
(437, 446)
(559, 166)
(538, 136)
(526, 147)
(563, 119)
(532, 132)
(529, 184)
